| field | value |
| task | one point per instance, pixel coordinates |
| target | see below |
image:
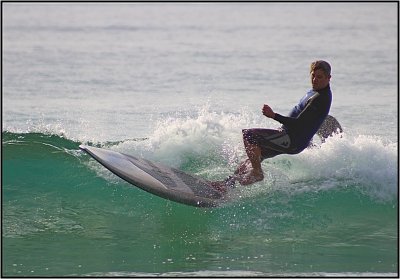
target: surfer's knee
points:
(249, 136)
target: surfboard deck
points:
(155, 178)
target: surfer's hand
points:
(268, 112)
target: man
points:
(294, 136)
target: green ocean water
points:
(65, 215)
(175, 84)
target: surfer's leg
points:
(261, 144)
(248, 172)
(255, 173)
(244, 173)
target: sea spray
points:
(207, 137)
(364, 162)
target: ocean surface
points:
(175, 83)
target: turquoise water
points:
(63, 214)
(176, 83)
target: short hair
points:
(321, 65)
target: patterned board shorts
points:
(272, 142)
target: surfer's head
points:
(320, 72)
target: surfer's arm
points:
(287, 121)
(309, 113)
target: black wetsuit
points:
(305, 118)
(298, 128)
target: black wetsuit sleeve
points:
(309, 113)
(285, 120)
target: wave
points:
(344, 180)
(209, 145)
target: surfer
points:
(295, 134)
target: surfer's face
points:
(319, 79)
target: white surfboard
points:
(158, 179)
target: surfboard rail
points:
(155, 178)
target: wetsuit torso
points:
(306, 117)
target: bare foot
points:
(251, 177)
(220, 186)
(244, 167)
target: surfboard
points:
(155, 178)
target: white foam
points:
(204, 135)
(368, 163)
(212, 143)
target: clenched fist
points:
(268, 112)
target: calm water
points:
(176, 83)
